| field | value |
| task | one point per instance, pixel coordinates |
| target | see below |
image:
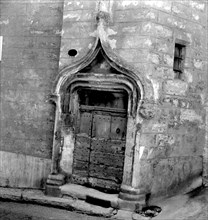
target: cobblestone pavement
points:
(21, 211)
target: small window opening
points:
(72, 53)
(179, 58)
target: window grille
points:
(179, 58)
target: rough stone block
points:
(161, 45)
(162, 5)
(156, 30)
(52, 190)
(181, 10)
(175, 87)
(79, 15)
(190, 115)
(39, 9)
(133, 15)
(126, 27)
(78, 5)
(78, 30)
(9, 8)
(175, 172)
(168, 60)
(132, 41)
(161, 72)
(127, 205)
(133, 55)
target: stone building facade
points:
(107, 93)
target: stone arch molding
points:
(134, 82)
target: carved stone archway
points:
(119, 75)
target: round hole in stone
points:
(72, 53)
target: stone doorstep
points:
(71, 204)
(84, 193)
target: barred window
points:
(179, 57)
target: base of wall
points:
(54, 181)
(23, 171)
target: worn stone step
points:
(38, 197)
(89, 195)
(67, 203)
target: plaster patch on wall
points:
(168, 60)
(62, 32)
(148, 42)
(77, 16)
(197, 5)
(129, 2)
(159, 127)
(198, 64)
(104, 35)
(154, 58)
(106, 6)
(67, 153)
(189, 37)
(141, 151)
(203, 98)
(147, 27)
(196, 17)
(58, 33)
(90, 46)
(111, 32)
(5, 22)
(150, 153)
(159, 4)
(37, 32)
(94, 33)
(156, 87)
(188, 75)
(190, 115)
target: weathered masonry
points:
(106, 94)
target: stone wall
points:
(143, 34)
(31, 33)
(173, 142)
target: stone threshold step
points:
(71, 204)
(89, 195)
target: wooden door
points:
(100, 146)
(107, 150)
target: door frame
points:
(106, 111)
(72, 106)
(141, 96)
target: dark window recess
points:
(118, 100)
(179, 58)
